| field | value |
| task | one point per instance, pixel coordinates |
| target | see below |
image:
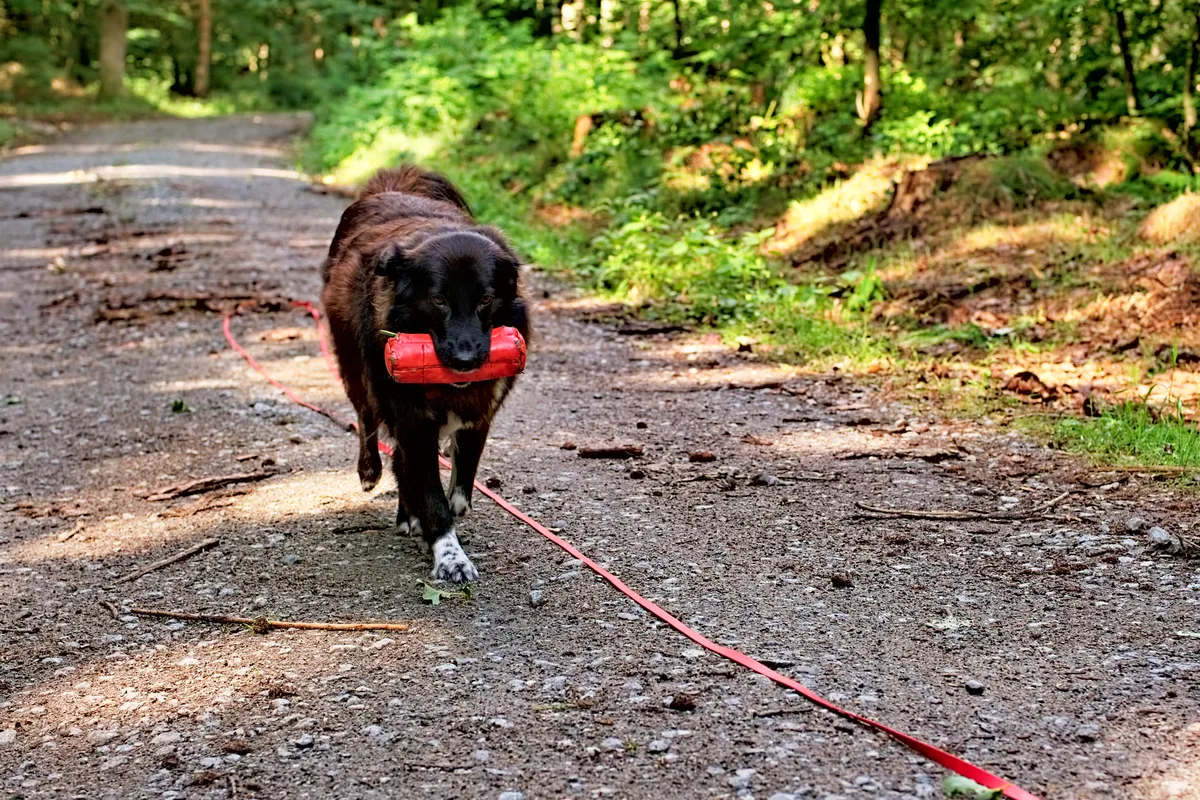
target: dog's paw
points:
(370, 470)
(459, 505)
(450, 563)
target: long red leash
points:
(947, 760)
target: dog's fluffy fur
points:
(408, 257)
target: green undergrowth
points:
(1134, 433)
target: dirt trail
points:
(1081, 635)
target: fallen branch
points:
(614, 451)
(1161, 469)
(202, 485)
(262, 624)
(911, 513)
(111, 609)
(191, 551)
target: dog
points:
(409, 257)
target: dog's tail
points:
(414, 180)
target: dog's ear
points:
(391, 261)
(505, 273)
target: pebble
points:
(8, 737)
(974, 687)
(1135, 524)
(1166, 541)
(741, 779)
(306, 740)
(101, 736)
(169, 737)
(291, 558)
(512, 796)
(658, 746)
(557, 525)
(841, 580)
(537, 598)
(1087, 733)
(382, 643)
(612, 743)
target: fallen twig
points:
(66, 535)
(1160, 469)
(614, 451)
(910, 513)
(202, 485)
(110, 608)
(262, 624)
(191, 551)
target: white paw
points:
(450, 563)
(459, 505)
(411, 526)
(369, 483)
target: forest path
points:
(113, 243)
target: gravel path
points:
(1061, 651)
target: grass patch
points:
(1134, 433)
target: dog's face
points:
(454, 287)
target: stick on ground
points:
(262, 624)
(913, 513)
(202, 485)
(191, 551)
(617, 451)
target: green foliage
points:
(1012, 182)
(1134, 433)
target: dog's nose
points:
(466, 358)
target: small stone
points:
(168, 737)
(372, 730)
(1164, 540)
(641, 426)
(512, 796)
(741, 779)
(8, 736)
(1135, 524)
(658, 746)
(1087, 733)
(291, 558)
(493, 482)
(304, 741)
(101, 736)
(613, 744)
(382, 643)
(482, 756)
(568, 445)
(637, 474)
(764, 479)
(237, 746)
(841, 580)
(682, 702)
(557, 525)
(260, 601)
(974, 687)
(537, 598)
(701, 456)
(529, 489)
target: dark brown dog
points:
(408, 257)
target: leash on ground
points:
(934, 754)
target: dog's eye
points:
(486, 300)
(438, 300)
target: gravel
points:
(1059, 624)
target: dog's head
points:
(455, 286)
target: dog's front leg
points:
(421, 496)
(468, 448)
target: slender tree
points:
(204, 47)
(114, 23)
(870, 99)
(1131, 89)
(1189, 85)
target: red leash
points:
(947, 760)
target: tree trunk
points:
(1131, 90)
(204, 47)
(114, 20)
(871, 97)
(1189, 88)
(678, 27)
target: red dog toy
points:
(410, 359)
